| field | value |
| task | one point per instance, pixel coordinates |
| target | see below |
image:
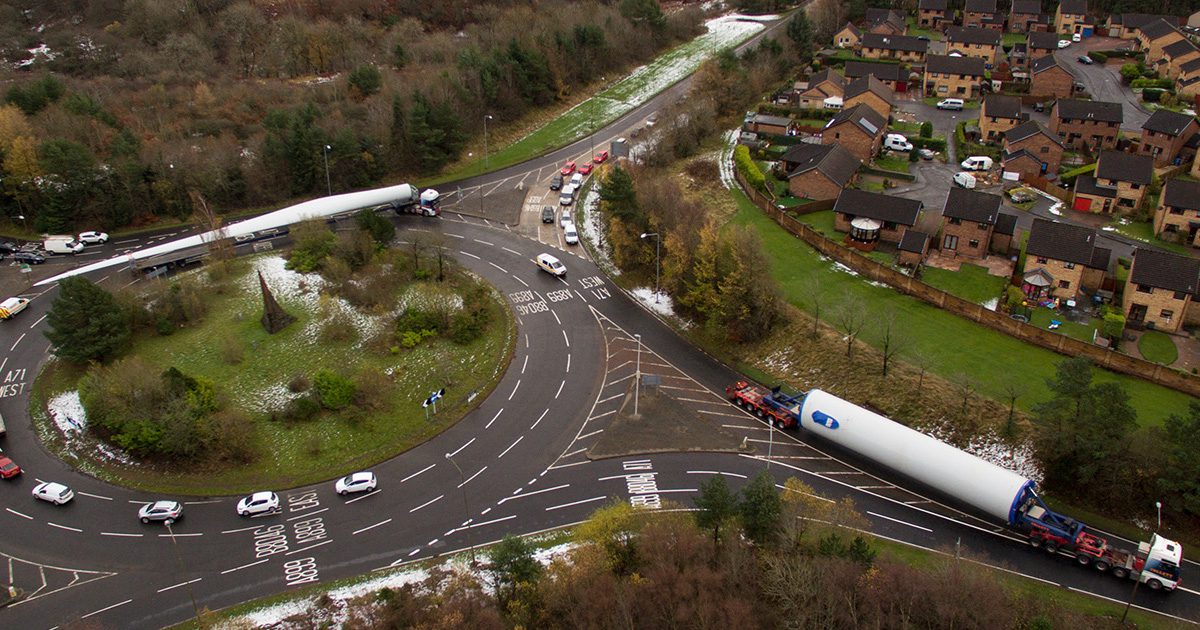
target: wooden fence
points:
(1062, 344)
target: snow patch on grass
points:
(68, 416)
(725, 161)
(991, 304)
(660, 304)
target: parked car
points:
(964, 179)
(1020, 195)
(556, 182)
(565, 218)
(7, 247)
(1085, 60)
(977, 163)
(93, 238)
(1063, 43)
(52, 492)
(1039, 106)
(1077, 37)
(926, 154)
(897, 142)
(923, 38)
(955, 104)
(586, 168)
(358, 482)
(547, 214)
(567, 169)
(29, 257)
(8, 468)
(258, 503)
(165, 511)
(652, 120)
(600, 157)
(550, 265)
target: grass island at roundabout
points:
(203, 400)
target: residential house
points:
(1178, 211)
(1156, 35)
(1031, 150)
(1063, 259)
(1126, 25)
(1164, 136)
(818, 171)
(1024, 13)
(973, 42)
(982, 14)
(998, 114)
(1160, 288)
(1094, 123)
(893, 74)
(913, 248)
(764, 123)
(1048, 80)
(898, 47)
(872, 92)
(934, 14)
(1187, 84)
(1174, 56)
(1119, 183)
(953, 76)
(858, 129)
(820, 86)
(1070, 17)
(886, 22)
(895, 214)
(1018, 57)
(1042, 44)
(849, 37)
(1194, 20)
(969, 225)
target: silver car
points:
(166, 511)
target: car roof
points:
(53, 486)
(362, 475)
(258, 496)
(163, 504)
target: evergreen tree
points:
(512, 565)
(304, 150)
(364, 81)
(799, 30)
(1180, 476)
(86, 323)
(716, 505)
(618, 197)
(531, 71)
(643, 12)
(760, 509)
(700, 295)
(398, 141)
(381, 230)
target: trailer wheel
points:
(1154, 584)
(1101, 566)
(1120, 573)
(1036, 543)
(1083, 559)
(759, 413)
(1051, 547)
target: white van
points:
(567, 196)
(897, 142)
(550, 265)
(12, 306)
(977, 163)
(62, 244)
(954, 104)
(964, 179)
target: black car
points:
(7, 247)
(1085, 60)
(556, 182)
(28, 257)
(547, 214)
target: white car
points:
(258, 503)
(1063, 43)
(1077, 37)
(953, 104)
(358, 482)
(165, 511)
(93, 238)
(55, 493)
(570, 235)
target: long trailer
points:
(1000, 493)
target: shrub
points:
(926, 129)
(1114, 325)
(372, 389)
(333, 390)
(748, 169)
(933, 144)
(417, 320)
(299, 383)
(378, 227)
(413, 338)
(1013, 297)
(299, 410)
(1150, 95)
(312, 242)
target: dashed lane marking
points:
(244, 566)
(427, 503)
(459, 449)
(363, 496)
(105, 609)
(163, 590)
(370, 527)
(896, 520)
(66, 527)
(510, 447)
(417, 473)
(573, 503)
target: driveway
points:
(1103, 81)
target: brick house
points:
(1095, 123)
(1160, 288)
(1062, 259)
(913, 248)
(981, 14)
(849, 37)
(1022, 14)
(896, 214)
(1178, 211)
(818, 171)
(871, 92)
(1175, 55)
(1119, 183)
(1188, 87)
(858, 129)
(933, 14)
(972, 225)
(1031, 150)
(973, 42)
(1018, 57)
(1042, 44)
(765, 123)
(1164, 136)
(1070, 17)
(1126, 25)
(819, 87)
(1047, 79)
(894, 75)
(885, 22)
(1155, 35)
(953, 76)
(998, 114)
(898, 47)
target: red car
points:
(600, 157)
(585, 168)
(8, 469)
(567, 169)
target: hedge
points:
(1164, 84)
(748, 169)
(1098, 56)
(933, 144)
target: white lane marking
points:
(568, 341)
(484, 242)
(179, 535)
(304, 549)
(559, 507)
(73, 529)
(510, 447)
(14, 346)
(472, 477)
(502, 269)
(4, 363)
(574, 452)
(97, 612)
(119, 534)
(556, 319)
(34, 324)
(417, 473)
(524, 364)
(163, 590)
(540, 418)
(19, 514)
(201, 502)
(469, 254)
(128, 240)
(427, 503)
(430, 543)
(526, 341)
(482, 523)
(489, 424)
(363, 496)
(514, 391)
(485, 511)
(414, 552)
(456, 235)
(715, 472)
(1121, 601)
(307, 514)
(560, 388)
(459, 449)
(94, 496)
(521, 281)
(244, 566)
(511, 251)
(529, 494)
(370, 527)
(588, 435)
(604, 400)
(243, 529)
(568, 363)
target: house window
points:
(951, 242)
(974, 244)
(1045, 149)
(955, 221)
(1180, 295)
(1166, 315)
(1145, 288)
(1042, 260)
(1176, 210)
(1064, 284)
(983, 226)
(1170, 227)
(1135, 186)
(1069, 265)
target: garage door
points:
(1082, 204)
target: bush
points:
(926, 129)
(1114, 325)
(372, 389)
(333, 390)
(299, 410)
(299, 383)
(312, 242)
(748, 169)
(378, 227)
(1131, 71)
(1013, 297)
(1152, 95)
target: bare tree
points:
(892, 338)
(814, 296)
(416, 246)
(965, 386)
(219, 247)
(1013, 389)
(850, 318)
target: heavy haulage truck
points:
(995, 491)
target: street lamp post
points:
(466, 510)
(179, 561)
(1158, 508)
(657, 264)
(637, 377)
(328, 183)
(486, 118)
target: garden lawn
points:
(897, 163)
(1157, 346)
(1041, 317)
(916, 31)
(822, 222)
(954, 345)
(906, 128)
(1013, 38)
(970, 282)
(1144, 231)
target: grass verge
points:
(1157, 346)
(1144, 231)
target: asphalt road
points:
(1103, 81)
